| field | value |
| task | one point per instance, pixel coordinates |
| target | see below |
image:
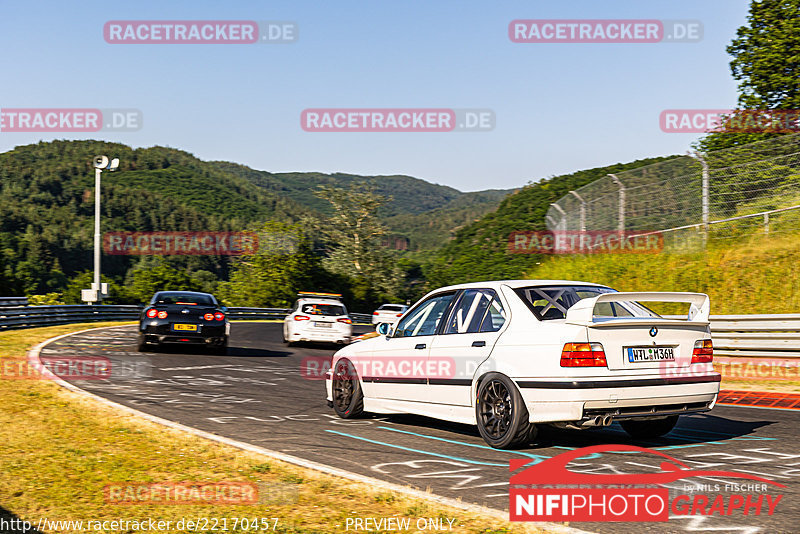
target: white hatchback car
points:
(388, 313)
(320, 319)
(509, 355)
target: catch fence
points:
(743, 191)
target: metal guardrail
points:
(32, 316)
(13, 301)
(749, 336)
(756, 336)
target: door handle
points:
(478, 343)
(420, 346)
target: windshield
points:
(187, 299)
(322, 309)
(552, 302)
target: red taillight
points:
(209, 317)
(301, 317)
(345, 320)
(219, 316)
(583, 355)
(375, 313)
(151, 312)
(162, 314)
(399, 315)
(703, 351)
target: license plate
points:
(651, 354)
(322, 325)
(185, 327)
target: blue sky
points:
(559, 107)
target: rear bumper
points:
(335, 334)
(315, 337)
(639, 397)
(208, 335)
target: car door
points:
(396, 366)
(466, 340)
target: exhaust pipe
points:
(595, 421)
(599, 420)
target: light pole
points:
(98, 290)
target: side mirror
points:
(384, 329)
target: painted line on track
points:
(418, 451)
(538, 457)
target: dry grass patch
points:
(60, 449)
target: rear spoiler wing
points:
(583, 311)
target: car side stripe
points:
(595, 384)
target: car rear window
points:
(391, 307)
(185, 299)
(552, 302)
(322, 309)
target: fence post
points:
(621, 216)
(563, 224)
(766, 223)
(583, 210)
(704, 193)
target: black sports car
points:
(184, 317)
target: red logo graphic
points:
(538, 493)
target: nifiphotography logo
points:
(548, 491)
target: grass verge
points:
(60, 449)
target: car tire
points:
(286, 340)
(141, 346)
(501, 413)
(652, 428)
(222, 349)
(348, 398)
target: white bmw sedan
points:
(510, 355)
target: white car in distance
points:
(318, 317)
(388, 313)
(510, 355)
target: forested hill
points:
(425, 213)
(478, 251)
(47, 207)
(408, 195)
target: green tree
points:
(283, 265)
(766, 63)
(355, 237)
(83, 280)
(154, 274)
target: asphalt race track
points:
(258, 394)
